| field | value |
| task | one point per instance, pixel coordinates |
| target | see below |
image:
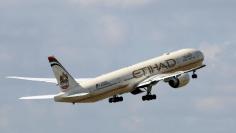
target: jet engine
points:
(180, 81)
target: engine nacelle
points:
(180, 81)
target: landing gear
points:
(115, 99)
(149, 96)
(194, 76)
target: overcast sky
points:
(92, 37)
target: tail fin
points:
(64, 79)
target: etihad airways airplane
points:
(172, 68)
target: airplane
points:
(172, 68)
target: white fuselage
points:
(125, 80)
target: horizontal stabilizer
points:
(47, 80)
(38, 97)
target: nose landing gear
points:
(194, 76)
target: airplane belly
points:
(70, 99)
(109, 93)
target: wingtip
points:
(10, 77)
(21, 98)
(14, 77)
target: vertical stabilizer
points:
(64, 79)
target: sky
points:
(93, 37)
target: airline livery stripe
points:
(57, 64)
(53, 64)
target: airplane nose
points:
(200, 55)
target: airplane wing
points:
(156, 78)
(47, 80)
(38, 97)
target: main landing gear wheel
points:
(149, 96)
(194, 76)
(115, 99)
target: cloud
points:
(211, 103)
(215, 103)
(219, 57)
(132, 123)
(110, 30)
(5, 56)
(111, 3)
(211, 51)
(4, 114)
(5, 3)
(216, 52)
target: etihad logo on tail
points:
(64, 81)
